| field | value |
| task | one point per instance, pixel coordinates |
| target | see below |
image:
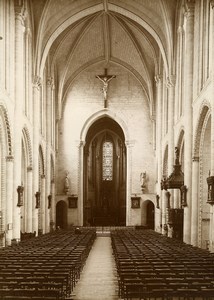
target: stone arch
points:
(204, 112)
(148, 214)
(180, 145)
(41, 156)
(7, 129)
(98, 115)
(28, 144)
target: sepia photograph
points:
(107, 149)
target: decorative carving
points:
(37, 82)
(210, 182)
(168, 195)
(171, 80)
(143, 180)
(37, 195)
(176, 179)
(49, 201)
(157, 201)
(164, 183)
(20, 191)
(135, 202)
(72, 201)
(9, 158)
(105, 80)
(7, 124)
(66, 184)
(183, 190)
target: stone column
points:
(29, 199)
(81, 190)
(188, 99)
(9, 197)
(129, 145)
(171, 148)
(19, 96)
(53, 205)
(195, 196)
(48, 151)
(43, 203)
(159, 91)
(36, 126)
(164, 206)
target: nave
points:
(126, 264)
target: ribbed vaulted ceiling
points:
(77, 34)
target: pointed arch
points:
(41, 160)
(100, 114)
(205, 111)
(28, 145)
(7, 129)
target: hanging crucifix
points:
(105, 80)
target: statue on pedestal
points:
(66, 184)
(143, 181)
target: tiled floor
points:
(98, 278)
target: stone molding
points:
(9, 158)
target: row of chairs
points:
(44, 267)
(151, 266)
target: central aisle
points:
(98, 279)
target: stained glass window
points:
(107, 160)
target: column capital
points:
(9, 158)
(81, 144)
(20, 11)
(158, 79)
(195, 158)
(170, 81)
(212, 3)
(37, 82)
(50, 82)
(130, 143)
(29, 168)
(189, 8)
(180, 30)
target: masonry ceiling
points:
(78, 34)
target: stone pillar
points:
(171, 148)
(43, 203)
(36, 126)
(164, 206)
(53, 206)
(48, 150)
(212, 136)
(195, 197)
(159, 91)
(171, 100)
(129, 145)
(188, 99)
(81, 189)
(9, 197)
(29, 199)
(19, 96)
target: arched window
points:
(107, 160)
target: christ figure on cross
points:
(105, 80)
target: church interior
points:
(107, 132)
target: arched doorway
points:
(105, 174)
(61, 215)
(148, 215)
